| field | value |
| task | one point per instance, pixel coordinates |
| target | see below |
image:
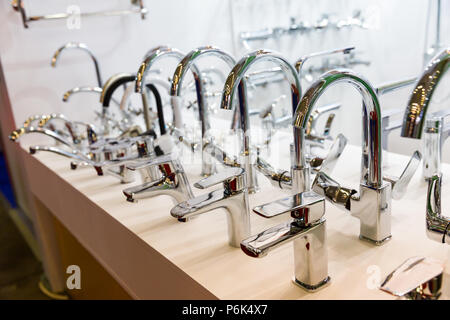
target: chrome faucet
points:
(437, 225)
(236, 83)
(110, 156)
(76, 90)
(307, 231)
(283, 179)
(151, 57)
(416, 122)
(387, 122)
(372, 205)
(183, 67)
(172, 181)
(83, 47)
(233, 197)
(418, 278)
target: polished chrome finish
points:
(283, 179)
(46, 122)
(19, 6)
(79, 46)
(387, 123)
(76, 90)
(435, 134)
(109, 156)
(437, 44)
(74, 154)
(356, 20)
(416, 122)
(236, 83)
(301, 61)
(372, 205)
(173, 181)
(415, 113)
(311, 129)
(328, 163)
(177, 80)
(233, 198)
(151, 57)
(389, 87)
(418, 278)
(108, 90)
(438, 226)
(16, 134)
(400, 184)
(307, 231)
(371, 173)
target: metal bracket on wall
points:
(18, 5)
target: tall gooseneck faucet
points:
(80, 46)
(236, 83)
(416, 122)
(371, 169)
(185, 64)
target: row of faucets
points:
(157, 157)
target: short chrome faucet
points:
(233, 197)
(235, 83)
(307, 231)
(173, 181)
(438, 226)
(416, 122)
(372, 205)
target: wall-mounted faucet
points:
(416, 122)
(372, 205)
(233, 198)
(307, 231)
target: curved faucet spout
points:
(151, 57)
(371, 173)
(84, 47)
(237, 75)
(185, 64)
(183, 67)
(415, 113)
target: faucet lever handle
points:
(400, 184)
(160, 160)
(328, 163)
(307, 207)
(333, 191)
(418, 278)
(227, 176)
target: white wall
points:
(395, 49)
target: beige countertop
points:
(198, 263)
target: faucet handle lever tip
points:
(224, 176)
(306, 206)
